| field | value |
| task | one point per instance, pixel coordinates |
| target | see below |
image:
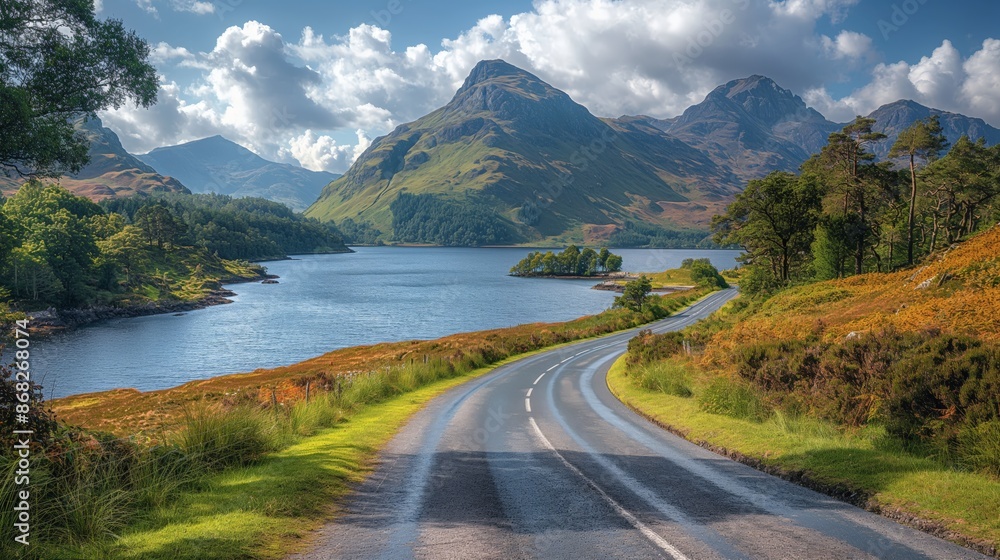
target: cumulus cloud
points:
(848, 44)
(289, 98)
(319, 153)
(942, 80)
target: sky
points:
(313, 82)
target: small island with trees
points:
(571, 263)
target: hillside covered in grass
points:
(881, 388)
(510, 159)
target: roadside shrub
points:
(979, 447)
(704, 274)
(735, 398)
(647, 347)
(947, 384)
(666, 377)
(232, 438)
(776, 366)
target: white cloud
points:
(322, 152)
(848, 44)
(165, 53)
(199, 7)
(289, 99)
(942, 81)
(194, 7)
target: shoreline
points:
(54, 321)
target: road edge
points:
(843, 492)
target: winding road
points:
(539, 460)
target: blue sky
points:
(313, 82)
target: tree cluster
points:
(704, 273)
(845, 213)
(570, 262)
(60, 249)
(635, 296)
(426, 218)
(649, 236)
(232, 228)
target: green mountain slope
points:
(511, 143)
(112, 172)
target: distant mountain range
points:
(511, 146)
(221, 166)
(896, 117)
(208, 165)
(514, 144)
(112, 171)
(511, 143)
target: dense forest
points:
(359, 233)
(233, 228)
(426, 218)
(63, 250)
(571, 262)
(649, 236)
(846, 214)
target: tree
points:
(635, 295)
(959, 185)
(704, 274)
(159, 225)
(924, 140)
(58, 62)
(53, 225)
(586, 264)
(844, 163)
(773, 220)
(7, 239)
(602, 257)
(123, 250)
(831, 250)
(613, 263)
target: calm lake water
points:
(325, 302)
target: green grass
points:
(248, 479)
(266, 509)
(866, 461)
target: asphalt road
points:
(539, 460)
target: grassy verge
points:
(264, 510)
(246, 473)
(862, 466)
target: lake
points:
(326, 302)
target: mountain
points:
(218, 165)
(753, 126)
(510, 146)
(893, 118)
(112, 171)
(511, 159)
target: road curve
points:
(539, 460)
